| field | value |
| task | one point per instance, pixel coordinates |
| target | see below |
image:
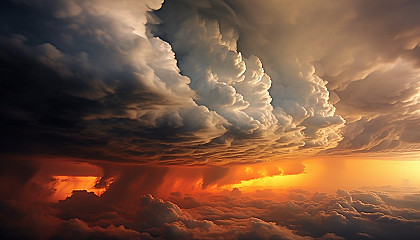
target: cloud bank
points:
(96, 86)
(200, 82)
(121, 91)
(357, 56)
(97, 83)
(359, 214)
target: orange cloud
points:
(65, 185)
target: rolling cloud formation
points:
(198, 82)
(110, 95)
(360, 214)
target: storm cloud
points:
(91, 80)
(357, 214)
(176, 111)
(357, 56)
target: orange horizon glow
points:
(325, 175)
(329, 175)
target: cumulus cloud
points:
(76, 228)
(87, 216)
(356, 214)
(294, 113)
(98, 79)
(364, 55)
(345, 215)
(212, 91)
(127, 210)
(132, 85)
(322, 53)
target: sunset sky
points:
(210, 119)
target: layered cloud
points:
(291, 110)
(89, 80)
(378, 213)
(174, 203)
(170, 110)
(96, 84)
(387, 116)
(96, 79)
(365, 52)
(357, 214)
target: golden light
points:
(328, 175)
(65, 185)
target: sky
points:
(210, 119)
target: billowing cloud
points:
(130, 208)
(297, 113)
(198, 82)
(190, 119)
(345, 53)
(381, 108)
(358, 214)
(100, 78)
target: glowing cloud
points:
(209, 119)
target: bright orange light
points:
(331, 174)
(325, 175)
(65, 185)
(215, 179)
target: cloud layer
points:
(121, 91)
(96, 79)
(357, 214)
(365, 53)
(143, 202)
(89, 80)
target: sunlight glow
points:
(65, 185)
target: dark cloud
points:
(151, 218)
(90, 82)
(76, 228)
(15, 175)
(345, 215)
(82, 81)
(126, 211)
(133, 179)
(132, 85)
(212, 174)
